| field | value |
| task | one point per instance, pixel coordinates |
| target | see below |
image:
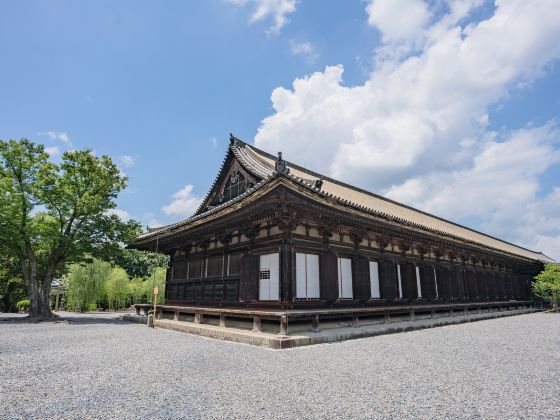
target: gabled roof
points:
(262, 165)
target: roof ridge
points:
(361, 190)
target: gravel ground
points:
(98, 367)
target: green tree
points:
(547, 285)
(140, 264)
(155, 280)
(12, 288)
(116, 288)
(85, 284)
(55, 214)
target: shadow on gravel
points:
(80, 319)
(93, 320)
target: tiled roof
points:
(262, 164)
(349, 194)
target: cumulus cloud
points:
(278, 10)
(184, 202)
(127, 161)
(154, 223)
(417, 129)
(57, 135)
(122, 214)
(52, 151)
(305, 49)
(398, 19)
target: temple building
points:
(272, 234)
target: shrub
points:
(23, 305)
(92, 307)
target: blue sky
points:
(450, 107)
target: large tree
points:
(54, 214)
(547, 285)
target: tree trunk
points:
(39, 301)
(555, 302)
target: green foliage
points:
(116, 288)
(155, 280)
(137, 290)
(547, 285)
(12, 288)
(140, 264)
(23, 305)
(55, 214)
(85, 284)
(92, 307)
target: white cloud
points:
(418, 127)
(154, 223)
(127, 161)
(122, 214)
(57, 135)
(214, 142)
(184, 202)
(276, 9)
(398, 19)
(52, 151)
(305, 49)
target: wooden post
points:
(156, 291)
(222, 319)
(283, 325)
(57, 302)
(355, 322)
(315, 324)
(256, 324)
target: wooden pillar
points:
(249, 278)
(328, 277)
(399, 280)
(361, 283)
(287, 273)
(388, 280)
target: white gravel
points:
(97, 367)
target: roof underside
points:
(262, 165)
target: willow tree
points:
(54, 214)
(85, 283)
(116, 288)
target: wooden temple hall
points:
(273, 235)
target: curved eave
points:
(222, 209)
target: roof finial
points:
(280, 166)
